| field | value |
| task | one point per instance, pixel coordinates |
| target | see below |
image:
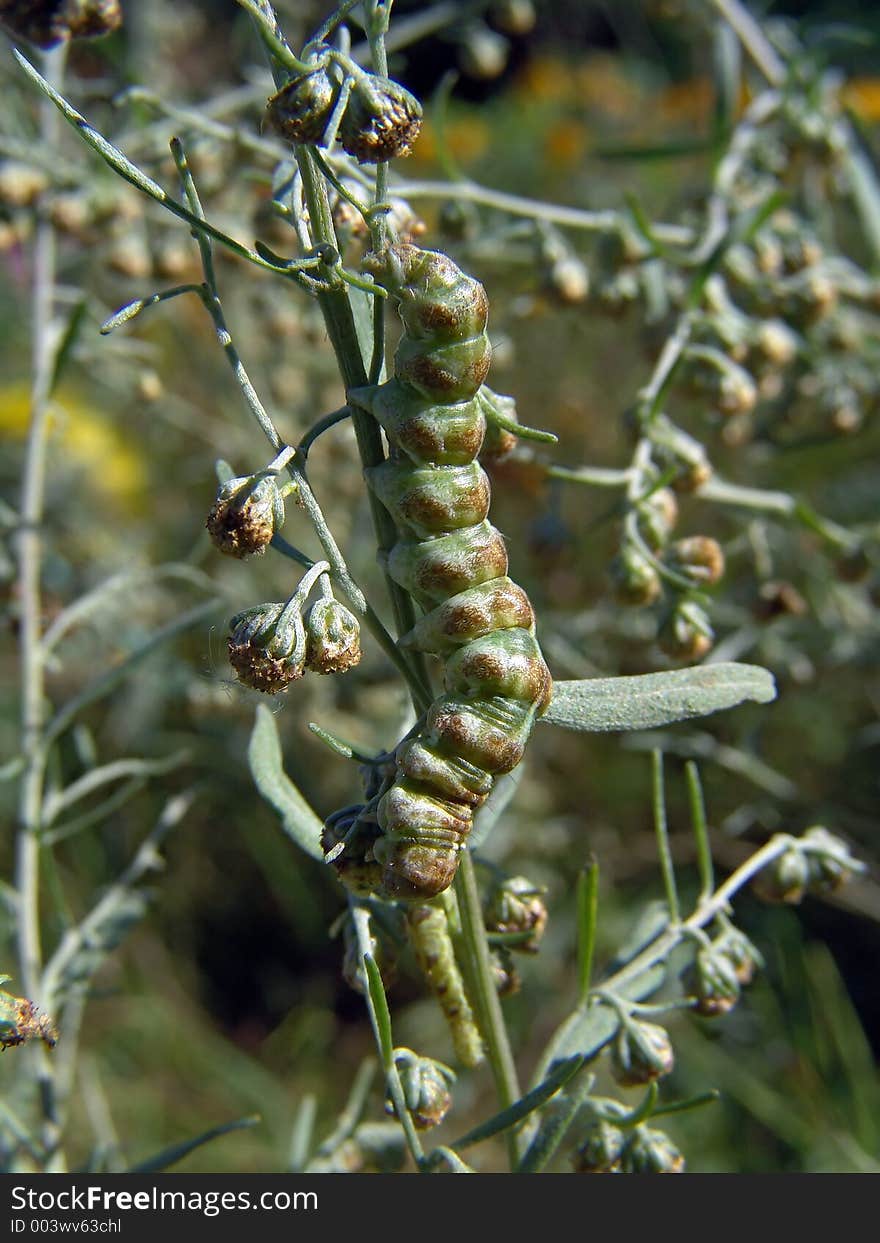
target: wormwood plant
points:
(752, 311)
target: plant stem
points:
(487, 1004)
(32, 669)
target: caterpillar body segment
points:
(454, 562)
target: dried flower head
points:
(267, 646)
(302, 109)
(333, 637)
(425, 1086)
(381, 120)
(246, 514)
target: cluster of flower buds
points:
(47, 23)
(515, 908)
(609, 1149)
(621, 277)
(720, 971)
(352, 231)
(375, 117)
(641, 1053)
(425, 1083)
(816, 863)
(272, 645)
(694, 562)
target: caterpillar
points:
(454, 563)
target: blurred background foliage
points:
(228, 999)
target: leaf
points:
(264, 756)
(68, 341)
(600, 705)
(560, 1074)
(176, 1152)
(381, 1013)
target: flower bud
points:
(246, 514)
(651, 1152)
(641, 1053)
(685, 633)
(381, 121)
(504, 973)
(775, 342)
(301, 110)
(830, 863)
(517, 906)
(742, 954)
(425, 1086)
(21, 184)
(333, 637)
(786, 878)
(699, 558)
(714, 982)
(21, 1021)
(267, 647)
(658, 515)
(568, 280)
(601, 1149)
(483, 54)
(382, 949)
(634, 578)
(47, 23)
(513, 17)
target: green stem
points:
(486, 1002)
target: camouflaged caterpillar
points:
(454, 563)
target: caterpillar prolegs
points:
(454, 563)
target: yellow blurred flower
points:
(88, 438)
(863, 96)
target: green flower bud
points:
(831, 865)
(504, 973)
(333, 637)
(685, 633)
(267, 646)
(651, 1152)
(517, 906)
(483, 53)
(786, 878)
(641, 1053)
(742, 954)
(601, 1149)
(699, 558)
(658, 515)
(381, 121)
(775, 342)
(302, 109)
(513, 17)
(714, 981)
(246, 514)
(634, 578)
(425, 1086)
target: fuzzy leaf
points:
(600, 705)
(264, 756)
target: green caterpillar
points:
(454, 563)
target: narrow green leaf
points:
(381, 1013)
(561, 1073)
(587, 904)
(691, 1102)
(599, 705)
(340, 746)
(176, 1152)
(67, 343)
(298, 819)
(553, 1128)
